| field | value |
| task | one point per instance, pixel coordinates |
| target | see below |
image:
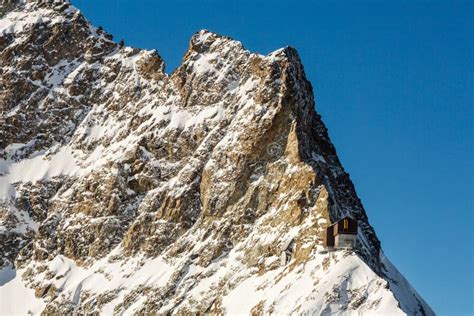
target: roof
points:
(340, 220)
(344, 226)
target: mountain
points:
(124, 189)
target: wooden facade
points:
(345, 226)
(329, 237)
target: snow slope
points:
(127, 190)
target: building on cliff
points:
(341, 234)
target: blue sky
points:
(394, 85)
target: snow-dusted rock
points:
(124, 189)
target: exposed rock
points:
(128, 190)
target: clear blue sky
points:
(393, 83)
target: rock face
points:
(124, 189)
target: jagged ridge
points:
(126, 189)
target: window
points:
(346, 225)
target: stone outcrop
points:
(127, 189)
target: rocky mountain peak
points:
(124, 189)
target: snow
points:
(16, 22)
(211, 112)
(202, 36)
(36, 168)
(317, 157)
(204, 63)
(248, 86)
(403, 291)
(276, 55)
(129, 62)
(182, 118)
(15, 297)
(101, 277)
(298, 288)
(12, 148)
(284, 289)
(24, 221)
(61, 71)
(291, 169)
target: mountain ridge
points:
(172, 191)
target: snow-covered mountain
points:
(124, 189)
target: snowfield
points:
(348, 277)
(126, 190)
